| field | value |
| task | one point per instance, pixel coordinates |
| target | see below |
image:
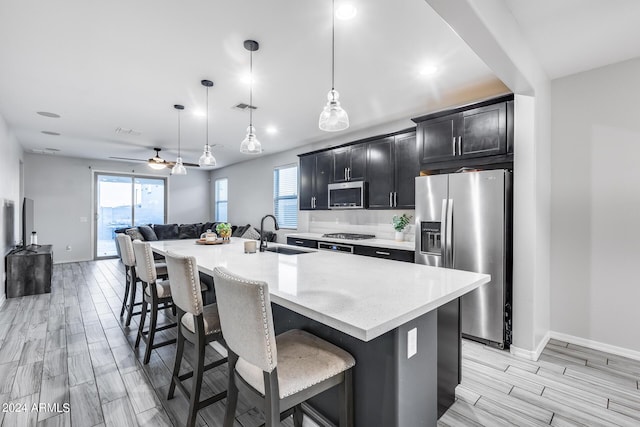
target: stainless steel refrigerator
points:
(463, 221)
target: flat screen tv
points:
(27, 221)
(9, 214)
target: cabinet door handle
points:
(299, 242)
(390, 199)
(345, 174)
(453, 145)
(460, 145)
(395, 199)
(349, 173)
(383, 253)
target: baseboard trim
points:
(531, 354)
(596, 345)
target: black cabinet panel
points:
(358, 166)
(306, 243)
(380, 172)
(341, 162)
(29, 271)
(324, 172)
(392, 254)
(438, 138)
(349, 163)
(483, 131)
(306, 173)
(407, 167)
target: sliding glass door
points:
(123, 201)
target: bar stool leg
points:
(198, 372)
(178, 360)
(132, 300)
(232, 391)
(346, 399)
(297, 416)
(143, 318)
(152, 330)
(126, 291)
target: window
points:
(285, 196)
(221, 197)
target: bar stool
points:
(277, 373)
(128, 258)
(198, 324)
(154, 293)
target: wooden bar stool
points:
(277, 373)
(198, 324)
(128, 258)
(154, 294)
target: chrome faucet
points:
(263, 244)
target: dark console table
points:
(29, 271)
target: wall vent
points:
(242, 106)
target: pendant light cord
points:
(208, 117)
(251, 88)
(179, 133)
(333, 43)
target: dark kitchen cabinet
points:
(349, 163)
(480, 130)
(315, 175)
(392, 165)
(305, 243)
(380, 172)
(385, 253)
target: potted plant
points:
(399, 223)
(224, 230)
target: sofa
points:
(154, 232)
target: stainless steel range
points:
(349, 236)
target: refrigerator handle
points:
(449, 235)
(443, 233)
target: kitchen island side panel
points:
(389, 389)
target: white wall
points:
(595, 210)
(62, 190)
(10, 156)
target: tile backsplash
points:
(377, 222)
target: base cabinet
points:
(29, 271)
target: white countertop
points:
(360, 296)
(377, 243)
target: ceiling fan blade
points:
(128, 158)
(193, 165)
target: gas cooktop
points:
(349, 236)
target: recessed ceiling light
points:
(346, 11)
(428, 70)
(48, 114)
(200, 113)
(247, 79)
(271, 130)
(48, 132)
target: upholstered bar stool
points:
(277, 373)
(128, 258)
(154, 294)
(197, 324)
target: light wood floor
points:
(70, 347)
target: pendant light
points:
(207, 160)
(333, 118)
(250, 144)
(178, 168)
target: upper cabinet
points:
(392, 165)
(349, 163)
(480, 130)
(316, 171)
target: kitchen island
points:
(384, 313)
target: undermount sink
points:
(287, 251)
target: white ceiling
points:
(570, 36)
(104, 65)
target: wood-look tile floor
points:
(71, 347)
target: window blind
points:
(221, 195)
(285, 196)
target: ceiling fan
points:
(156, 162)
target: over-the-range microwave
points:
(348, 195)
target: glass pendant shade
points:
(207, 159)
(250, 144)
(333, 118)
(178, 168)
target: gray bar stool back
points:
(128, 258)
(277, 373)
(198, 324)
(154, 294)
